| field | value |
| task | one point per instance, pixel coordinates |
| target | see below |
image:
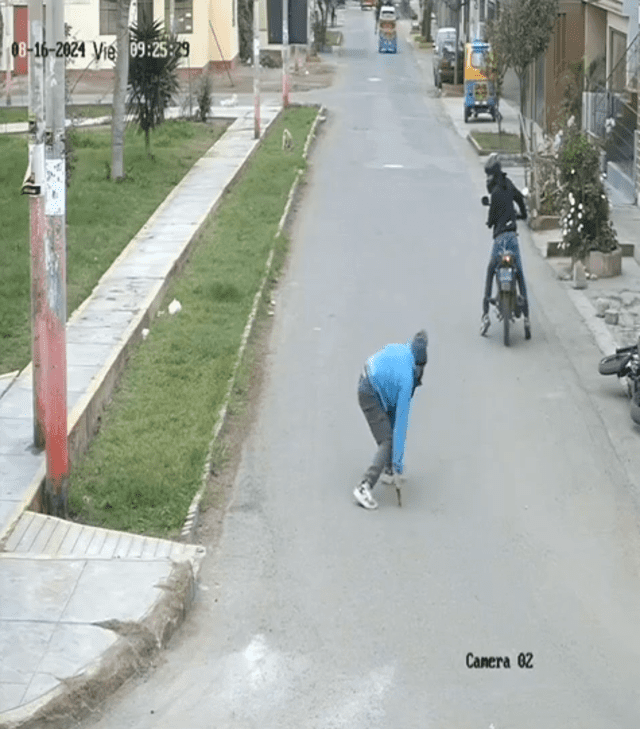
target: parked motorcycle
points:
(625, 363)
(508, 303)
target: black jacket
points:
(502, 213)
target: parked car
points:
(444, 57)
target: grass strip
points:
(494, 142)
(95, 235)
(144, 467)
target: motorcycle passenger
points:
(502, 218)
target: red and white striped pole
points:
(56, 264)
(256, 69)
(34, 185)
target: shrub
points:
(585, 220)
(205, 90)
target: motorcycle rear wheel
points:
(613, 364)
(505, 310)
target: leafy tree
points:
(320, 24)
(498, 59)
(153, 80)
(530, 24)
(245, 30)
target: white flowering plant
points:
(585, 215)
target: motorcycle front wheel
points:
(613, 364)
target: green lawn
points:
(144, 467)
(494, 142)
(95, 236)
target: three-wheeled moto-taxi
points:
(479, 93)
(387, 33)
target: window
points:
(618, 61)
(481, 11)
(182, 16)
(478, 60)
(108, 17)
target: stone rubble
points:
(621, 313)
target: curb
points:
(77, 697)
(193, 514)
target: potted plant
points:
(588, 234)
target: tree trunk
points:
(120, 91)
(426, 20)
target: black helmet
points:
(492, 166)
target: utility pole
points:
(34, 186)
(256, 69)
(285, 53)
(56, 263)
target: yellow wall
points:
(84, 18)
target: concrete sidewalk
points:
(622, 292)
(80, 605)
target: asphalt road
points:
(518, 532)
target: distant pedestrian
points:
(385, 390)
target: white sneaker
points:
(362, 494)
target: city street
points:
(518, 534)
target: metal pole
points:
(55, 261)
(220, 51)
(256, 69)
(285, 53)
(34, 185)
(7, 45)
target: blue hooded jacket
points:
(391, 372)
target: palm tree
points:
(153, 77)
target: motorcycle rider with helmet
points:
(502, 218)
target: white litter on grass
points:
(174, 307)
(145, 333)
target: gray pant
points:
(381, 424)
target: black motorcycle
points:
(508, 303)
(625, 363)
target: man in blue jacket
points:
(386, 386)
